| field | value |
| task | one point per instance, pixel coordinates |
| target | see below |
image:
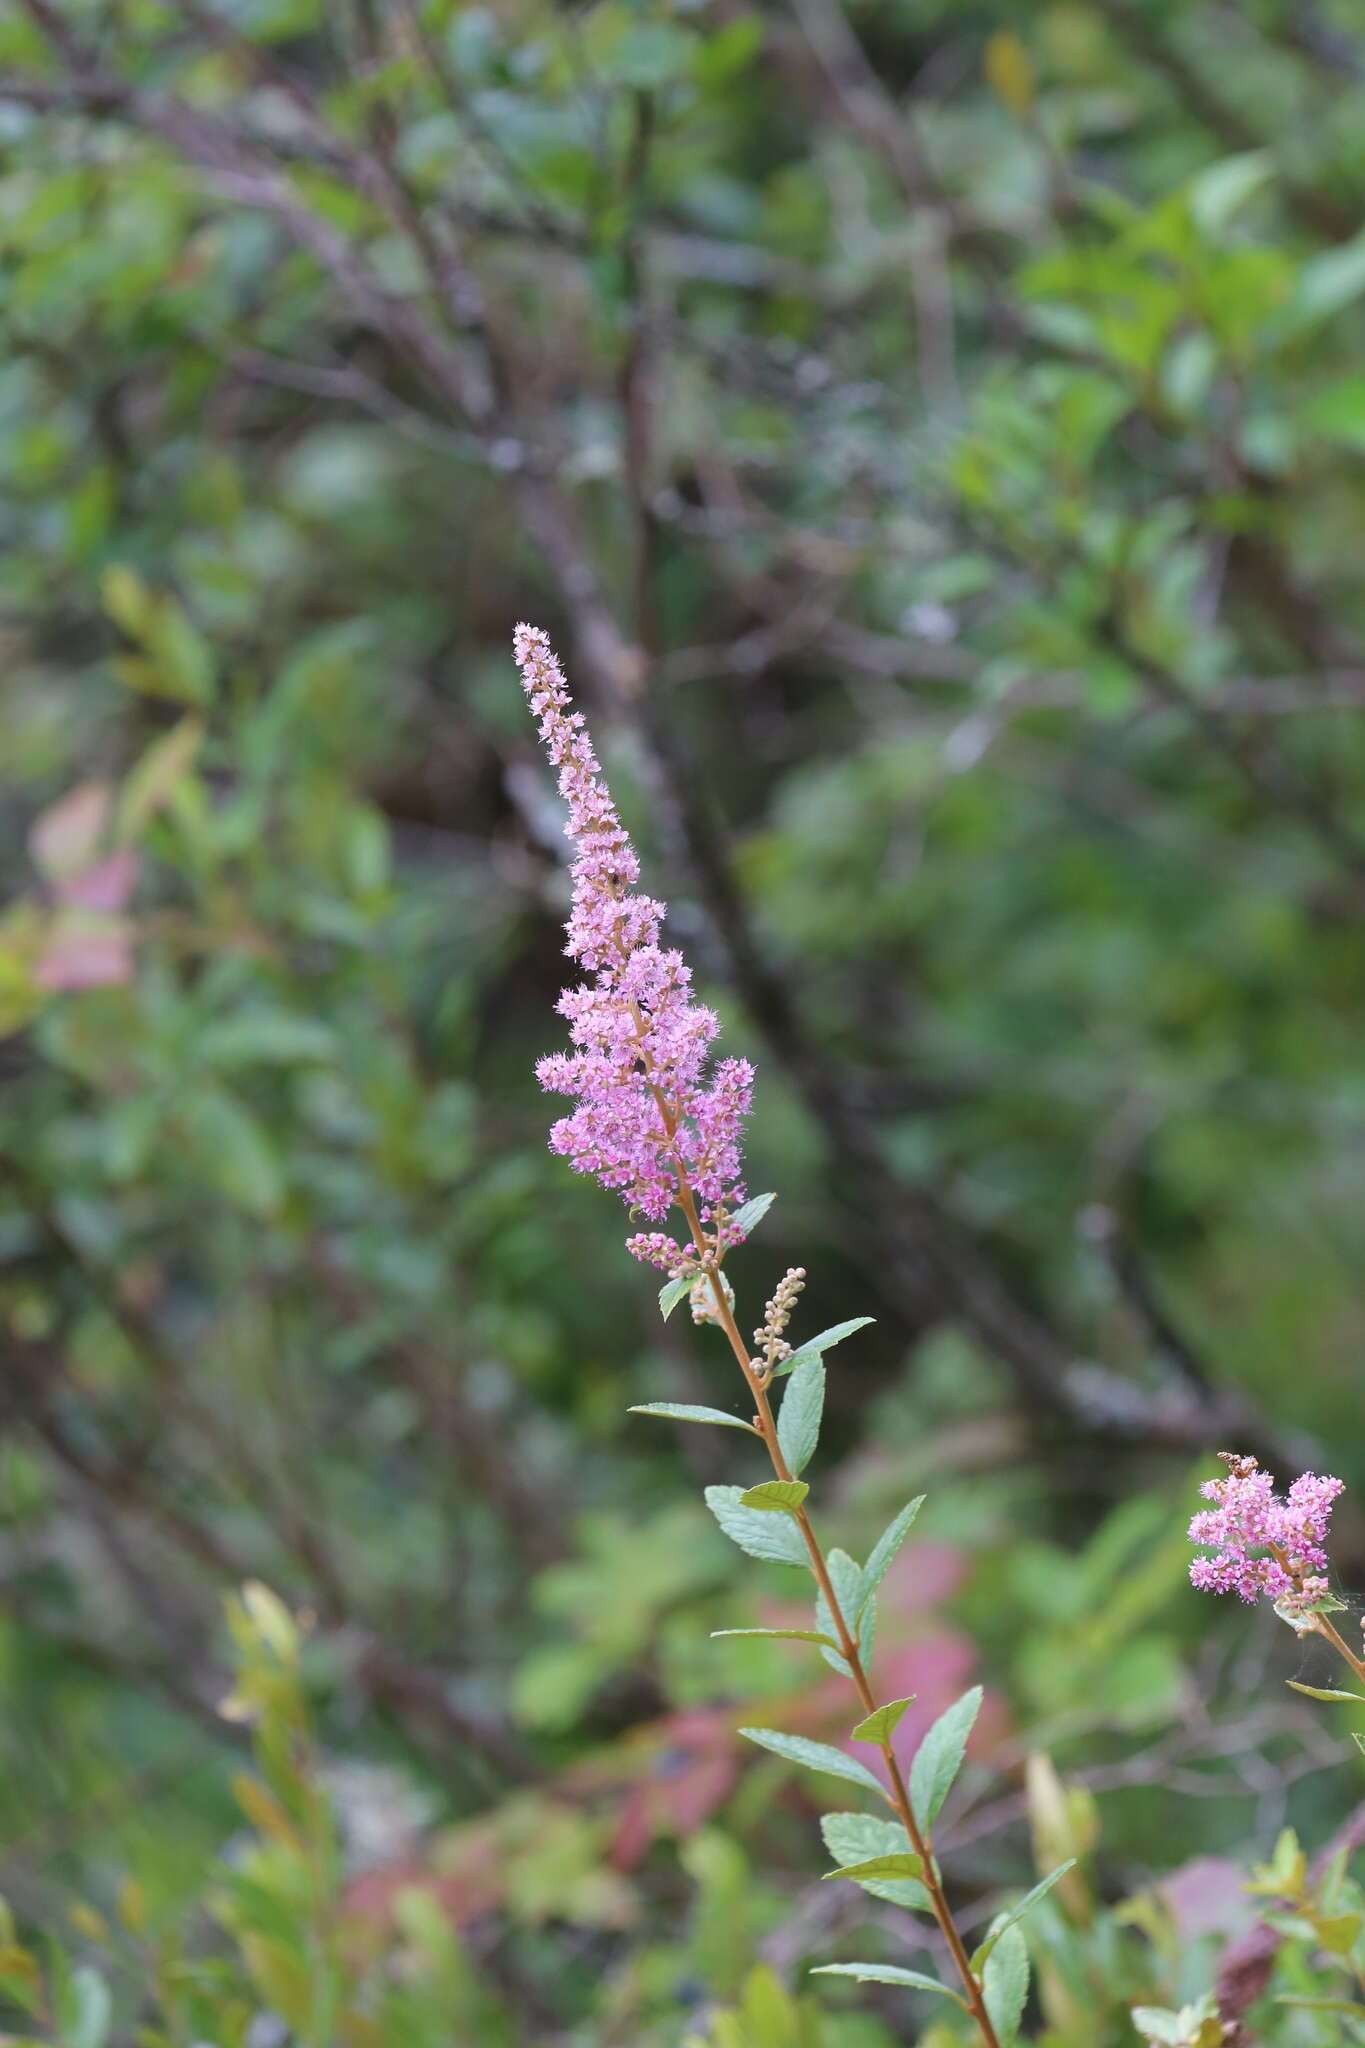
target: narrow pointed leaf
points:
(1016, 1914)
(677, 1411)
(939, 1757)
(747, 1219)
(886, 1546)
(846, 1577)
(1324, 1692)
(888, 1973)
(775, 1538)
(775, 1495)
(862, 1837)
(803, 1404)
(1004, 1984)
(815, 1347)
(880, 1724)
(786, 1635)
(815, 1756)
(901, 1863)
(670, 1294)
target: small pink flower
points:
(649, 1107)
(1260, 1542)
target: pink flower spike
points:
(649, 1110)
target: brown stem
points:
(1334, 1636)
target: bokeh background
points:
(932, 433)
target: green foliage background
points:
(933, 436)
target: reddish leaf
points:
(105, 886)
(67, 835)
(84, 951)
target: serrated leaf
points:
(858, 1838)
(1325, 1692)
(1004, 1984)
(881, 1723)
(887, 1973)
(747, 1218)
(793, 1635)
(670, 1294)
(803, 1404)
(775, 1538)
(772, 1496)
(1025, 1905)
(885, 1548)
(815, 1756)
(679, 1411)
(901, 1863)
(939, 1757)
(815, 1347)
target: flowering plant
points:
(1265, 1544)
(654, 1120)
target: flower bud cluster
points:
(769, 1338)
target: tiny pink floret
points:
(648, 1104)
(1262, 1543)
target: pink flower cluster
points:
(1287, 1534)
(649, 1109)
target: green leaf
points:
(88, 2010)
(793, 1635)
(1017, 1913)
(880, 1724)
(888, 1973)
(815, 1347)
(885, 1548)
(901, 1863)
(746, 1219)
(803, 1404)
(679, 1411)
(261, 1037)
(1319, 2004)
(815, 1756)
(1337, 411)
(775, 1495)
(846, 1580)
(1159, 2025)
(1325, 1692)
(237, 1151)
(128, 601)
(1218, 191)
(671, 1293)
(1325, 284)
(774, 1538)
(1004, 1983)
(939, 1757)
(861, 1838)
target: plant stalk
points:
(973, 1996)
(900, 1795)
